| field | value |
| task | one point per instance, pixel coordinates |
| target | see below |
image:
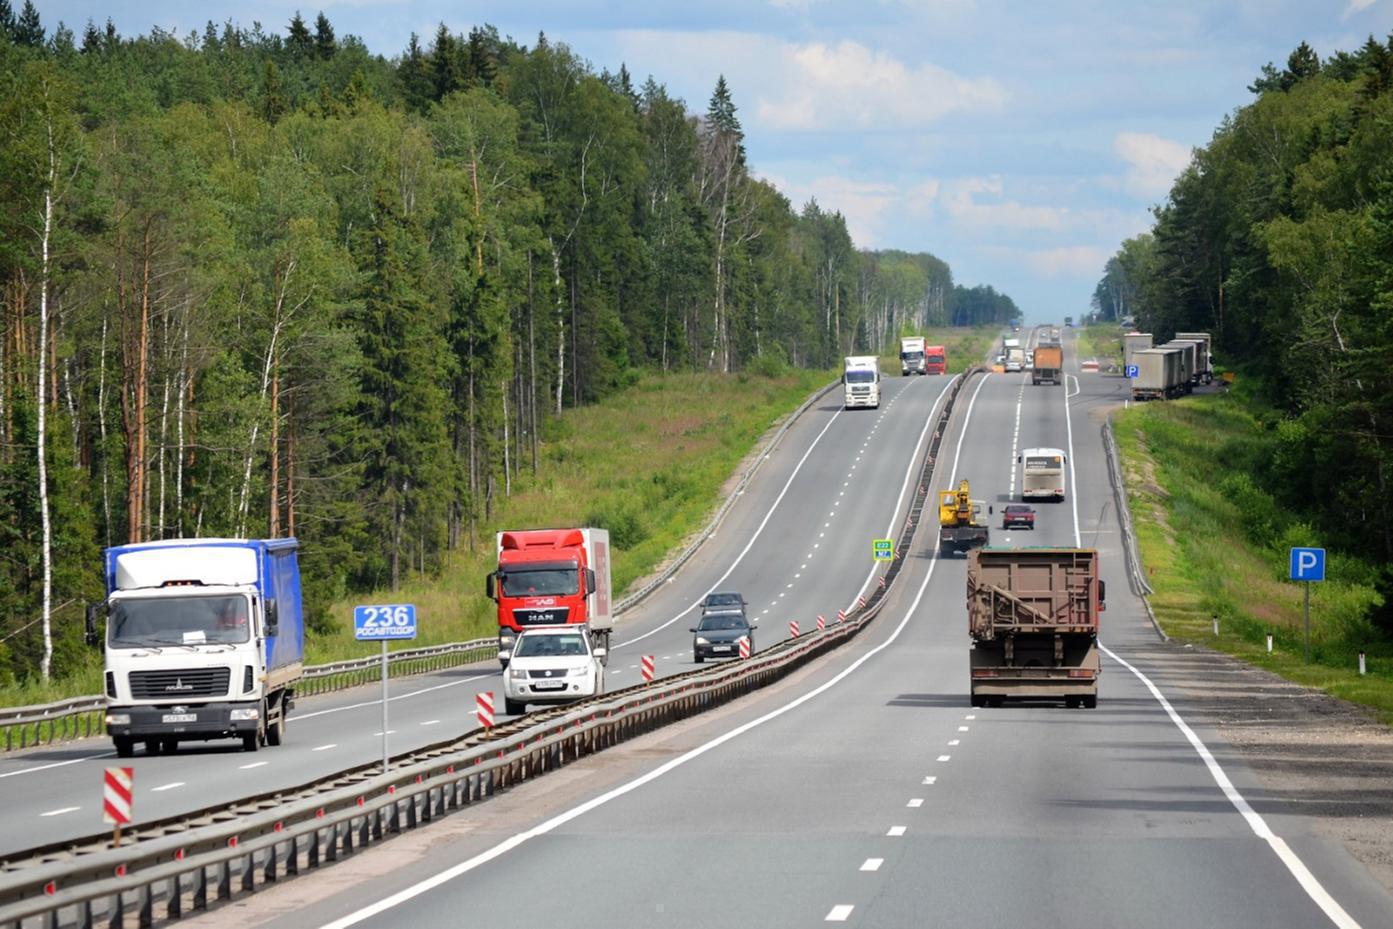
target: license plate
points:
(180, 717)
(720, 648)
(549, 685)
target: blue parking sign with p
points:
(1308, 564)
(1133, 371)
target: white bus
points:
(1042, 473)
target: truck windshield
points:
(178, 621)
(935, 359)
(911, 356)
(860, 376)
(541, 581)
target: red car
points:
(1018, 515)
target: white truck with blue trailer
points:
(205, 639)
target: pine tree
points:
(447, 72)
(7, 20)
(415, 76)
(1302, 63)
(91, 38)
(482, 63)
(299, 40)
(357, 92)
(325, 44)
(625, 86)
(28, 30)
(273, 105)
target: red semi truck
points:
(935, 359)
(552, 577)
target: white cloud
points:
(848, 85)
(1068, 261)
(976, 201)
(1357, 6)
(863, 203)
(1155, 162)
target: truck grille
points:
(190, 682)
(553, 616)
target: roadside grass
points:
(1215, 545)
(647, 463)
(1102, 341)
(965, 347)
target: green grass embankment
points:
(647, 463)
(1102, 341)
(1215, 543)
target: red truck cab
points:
(552, 577)
(935, 359)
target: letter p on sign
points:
(1308, 564)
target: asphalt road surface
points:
(797, 544)
(864, 789)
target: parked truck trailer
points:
(1204, 361)
(1033, 616)
(1132, 343)
(1160, 374)
(204, 639)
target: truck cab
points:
(203, 640)
(861, 381)
(551, 577)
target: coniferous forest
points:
(1278, 239)
(263, 283)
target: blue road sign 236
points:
(393, 621)
(1308, 564)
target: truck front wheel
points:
(251, 741)
(1090, 702)
(125, 746)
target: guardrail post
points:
(292, 858)
(365, 831)
(249, 874)
(145, 914)
(174, 906)
(118, 912)
(269, 870)
(312, 856)
(200, 889)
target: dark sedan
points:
(718, 635)
(1018, 516)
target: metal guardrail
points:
(221, 852)
(84, 717)
(1136, 576)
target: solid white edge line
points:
(56, 764)
(1308, 881)
(561, 819)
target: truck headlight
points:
(247, 715)
(701, 640)
(118, 719)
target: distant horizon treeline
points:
(1278, 238)
(259, 284)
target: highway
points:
(797, 544)
(864, 790)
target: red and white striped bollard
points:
(744, 646)
(646, 667)
(793, 628)
(821, 623)
(483, 708)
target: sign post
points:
(1308, 566)
(384, 624)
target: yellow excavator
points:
(958, 528)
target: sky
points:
(1020, 141)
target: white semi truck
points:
(861, 380)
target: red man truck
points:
(935, 359)
(552, 577)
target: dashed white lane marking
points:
(61, 811)
(634, 667)
(896, 831)
(164, 787)
(930, 780)
(954, 741)
(915, 803)
(325, 748)
(790, 584)
(964, 728)
(970, 716)
(430, 722)
(257, 764)
(375, 734)
(839, 913)
(872, 864)
(944, 757)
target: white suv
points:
(552, 664)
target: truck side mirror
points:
(991, 510)
(273, 618)
(589, 581)
(1102, 590)
(489, 585)
(93, 611)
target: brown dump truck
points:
(1048, 364)
(1033, 617)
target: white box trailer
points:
(1188, 357)
(1132, 343)
(1204, 359)
(1160, 374)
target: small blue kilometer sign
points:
(1308, 564)
(377, 623)
(1133, 371)
(883, 549)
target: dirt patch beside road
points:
(1316, 756)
